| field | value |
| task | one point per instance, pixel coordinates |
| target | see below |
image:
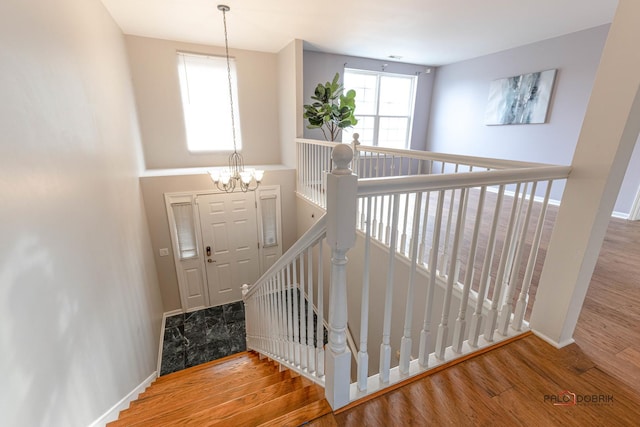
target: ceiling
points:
(428, 32)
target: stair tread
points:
(262, 413)
(179, 408)
(300, 416)
(214, 365)
(223, 410)
(204, 378)
(243, 390)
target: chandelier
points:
(235, 175)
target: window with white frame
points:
(185, 230)
(204, 86)
(384, 107)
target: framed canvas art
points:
(520, 99)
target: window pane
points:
(204, 87)
(269, 221)
(365, 85)
(393, 132)
(364, 127)
(395, 96)
(183, 215)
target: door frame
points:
(191, 196)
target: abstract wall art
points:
(520, 99)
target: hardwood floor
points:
(515, 385)
(239, 390)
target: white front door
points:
(229, 244)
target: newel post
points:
(342, 188)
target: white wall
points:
(460, 97)
(80, 310)
(290, 100)
(157, 90)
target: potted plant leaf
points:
(331, 110)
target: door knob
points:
(211, 260)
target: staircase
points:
(239, 390)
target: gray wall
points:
(460, 97)
(321, 67)
(80, 309)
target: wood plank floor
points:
(508, 386)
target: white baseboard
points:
(553, 342)
(553, 202)
(113, 413)
(620, 215)
(162, 327)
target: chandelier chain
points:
(226, 47)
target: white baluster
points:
(443, 328)
(387, 234)
(507, 308)
(341, 234)
(523, 298)
(302, 316)
(425, 333)
(310, 349)
(363, 355)
(461, 323)
(405, 343)
(320, 319)
(425, 221)
(403, 239)
(492, 315)
(385, 347)
(477, 318)
(294, 317)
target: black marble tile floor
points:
(202, 336)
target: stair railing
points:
(284, 309)
(472, 238)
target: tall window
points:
(185, 230)
(204, 86)
(384, 107)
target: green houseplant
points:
(331, 110)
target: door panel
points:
(229, 228)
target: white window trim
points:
(377, 116)
(228, 147)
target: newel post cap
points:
(342, 156)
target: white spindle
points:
(320, 315)
(294, 316)
(492, 315)
(363, 355)
(310, 350)
(403, 239)
(385, 347)
(425, 333)
(425, 221)
(302, 313)
(476, 319)
(523, 298)
(507, 308)
(446, 255)
(461, 323)
(405, 344)
(387, 234)
(443, 328)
